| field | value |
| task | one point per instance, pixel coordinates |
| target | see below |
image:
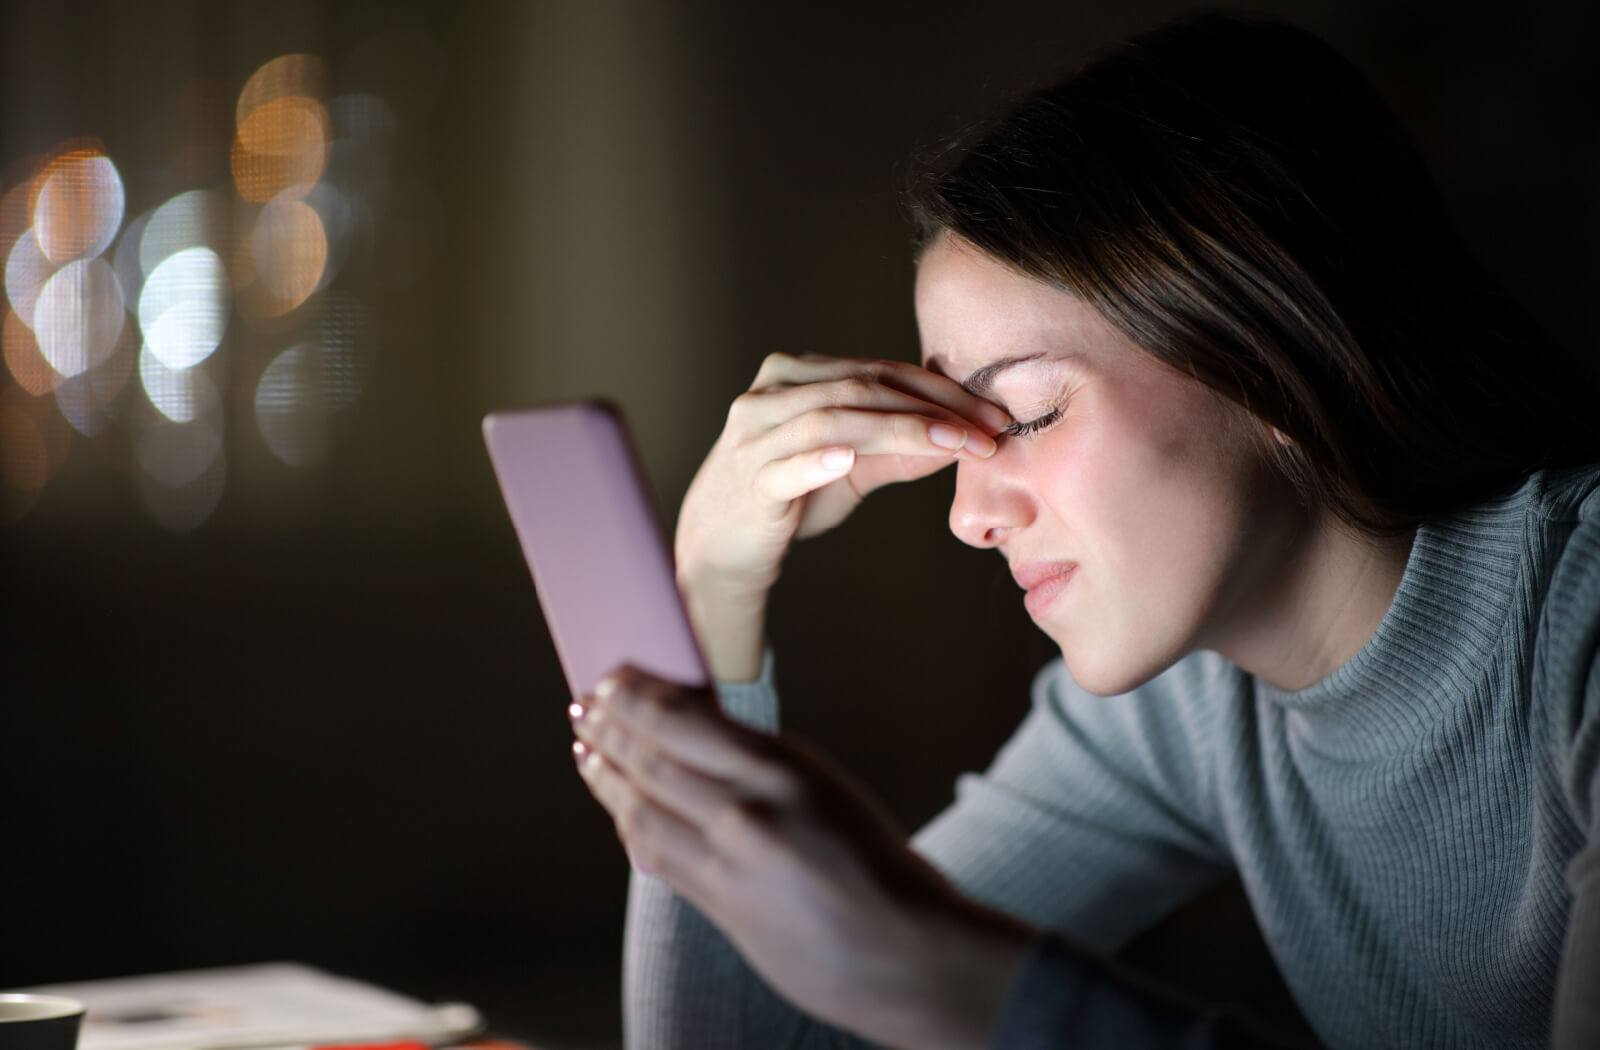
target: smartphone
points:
(589, 533)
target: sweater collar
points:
(1434, 645)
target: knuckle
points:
(774, 364)
(743, 407)
(618, 747)
(910, 431)
(740, 825)
(817, 425)
(645, 721)
(651, 767)
(632, 817)
(875, 371)
(766, 481)
(853, 390)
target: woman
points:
(1308, 508)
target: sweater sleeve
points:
(1065, 998)
(684, 986)
(1089, 822)
(1095, 820)
(1573, 674)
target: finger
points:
(871, 433)
(873, 388)
(658, 841)
(829, 504)
(782, 480)
(690, 794)
(873, 472)
(634, 713)
(783, 370)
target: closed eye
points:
(1032, 426)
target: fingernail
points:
(579, 750)
(607, 686)
(996, 417)
(575, 711)
(946, 436)
(838, 458)
(981, 445)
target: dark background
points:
(326, 723)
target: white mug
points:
(39, 1022)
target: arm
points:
(956, 971)
(683, 984)
(1573, 671)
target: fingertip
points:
(837, 460)
(994, 417)
(981, 445)
(946, 436)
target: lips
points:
(1044, 581)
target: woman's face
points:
(1136, 507)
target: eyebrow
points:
(981, 382)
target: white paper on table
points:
(272, 1004)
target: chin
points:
(1111, 669)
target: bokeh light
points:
(27, 270)
(286, 76)
(288, 254)
(125, 259)
(196, 219)
(23, 359)
(183, 472)
(179, 394)
(78, 316)
(281, 148)
(176, 454)
(346, 341)
(16, 203)
(34, 440)
(183, 309)
(280, 192)
(79, 207)
(288, 406)
(340, 215)
(284, 131)
(87, 401)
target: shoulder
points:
(1563, 536)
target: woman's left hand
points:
(807, 878)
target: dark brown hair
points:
(1233, 196)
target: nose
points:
(991, 503)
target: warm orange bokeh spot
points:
(23, 359)
(34, 440)
(80, 205)
(81, 146)
(291, 251)
(305, 76)
(282, 145)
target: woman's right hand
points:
(811, 437)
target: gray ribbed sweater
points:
(1418, 833)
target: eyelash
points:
(1032, 426)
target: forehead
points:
(973, 310)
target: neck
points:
(1334, 590)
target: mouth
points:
(1044, 582)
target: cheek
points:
(1162, 509)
